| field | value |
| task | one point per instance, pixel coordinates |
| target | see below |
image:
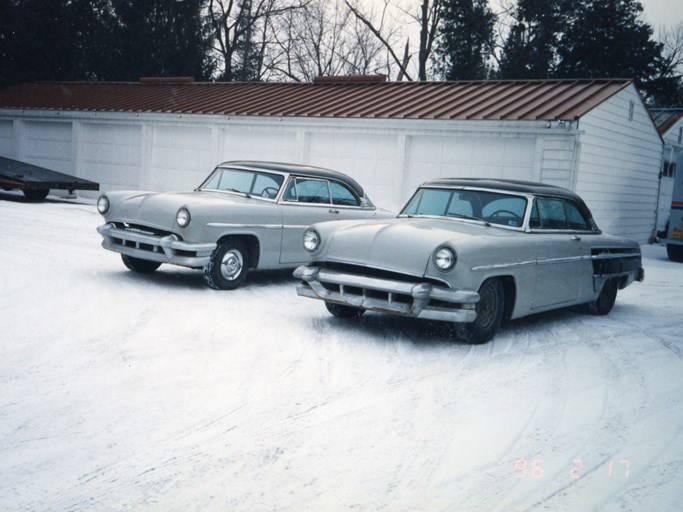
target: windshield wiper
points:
(237, 191)
(468, 217)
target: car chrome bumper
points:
(419, 300)
(164, 249)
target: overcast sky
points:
(662, 12)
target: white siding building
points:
(592, 136)
(670, 124)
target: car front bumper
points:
(147, 246)
(419, 300)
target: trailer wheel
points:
(35, 194)
(138, 265)
(675, 252)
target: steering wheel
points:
(269, 192)
(504, 214)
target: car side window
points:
(575, 217)
(551, 213)
(535, 219)
(342, 196)
(308, 190)
(555, 213)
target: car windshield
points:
(250, 183)
(490, 207)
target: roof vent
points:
(350, 79)
(166, 80)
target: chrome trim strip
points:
(613, 256)
(499, 266)
(242, 226)
(547, 261)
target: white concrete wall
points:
(110, 153)
(7, 138)
(619, 165)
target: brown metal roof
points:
(486, 100)
(665, 118)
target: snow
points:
(121, 391)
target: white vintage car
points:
(472, 252)
(246, 215)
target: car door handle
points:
(576, 238)
(333, 211)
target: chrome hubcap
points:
(231, 265)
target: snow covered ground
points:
(154, 393)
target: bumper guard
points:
(164, 249)
(387, 295)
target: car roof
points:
(298, 170)
(524, 187)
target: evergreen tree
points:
(92, 51)
(531, 47)
(35, 38)
(608, 39)
(159, 38)
(465, 39)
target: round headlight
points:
(103, 204)
(444, 258)
(311, 240)
(183, 217)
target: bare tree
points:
(672, 39)
(321, 39)
(240, 30)
(427, 18)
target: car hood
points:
(400, 245)
(159, 208)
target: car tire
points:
(139, 265)
(605, 301)
(675, 252)
(228, 266)
(35, 194)
(342, 311)
(490, 309)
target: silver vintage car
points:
(472, 252)
(246, 215)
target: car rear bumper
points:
(419, 300)
(146, 246)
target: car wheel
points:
(675, 252)
(138, 265)
(605, 301)
(228, 266)
(35, 194)
(341, 311)
(489, 309)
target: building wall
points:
(619, 163)
(390, 158)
